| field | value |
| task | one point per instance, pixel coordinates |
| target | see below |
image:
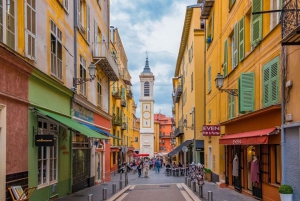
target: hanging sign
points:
(44, 140)
(211, 130)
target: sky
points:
(154, 26)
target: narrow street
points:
(158, 187)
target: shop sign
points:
(44, 140)
(83, 113)
(211, 130)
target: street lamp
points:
(92, 72)
(192, 127)
(219, 80)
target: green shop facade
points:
(53, 137)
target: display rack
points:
(25, 196)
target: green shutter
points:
(225, 64)
(123, 92)
(212, 25)
(271, 82)
(231, 106)
(241, 39)
(247, 92)
(209, 79)
(236, 44)
(256, 22)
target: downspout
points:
(108, 28)
(283, 78)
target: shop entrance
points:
(99, 170)
(237, 166)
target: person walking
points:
(139, 168)
(146, 165)
(157, 165)
(134, 166)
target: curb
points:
(190, 192)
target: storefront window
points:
(278, 166)
(81, 164)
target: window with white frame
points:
(81, 15)
(30, 29)
(56, 51)
(8, 22)
(83, 75)
(275, 16)
(47, 156)
(66, 4)
(99, 91)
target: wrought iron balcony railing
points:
(179, 131)
(123, 103)
(178, 93)
(124, 126)
(207, 6)
(116, 93)
(117, 121)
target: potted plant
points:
(286, 193)
(208, 39)
(207, 174)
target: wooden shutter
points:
(236, 42)
(30, 29)
(88, 34)
(256, 22)
(209, 79)
(271, 82)
(225, 64)
(241, 39)
(246, 92)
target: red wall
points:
(107, 161)
(101, 121)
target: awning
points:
(99, 130)
(249, 138)
(74, 125)
(138, 155)
(178, 149)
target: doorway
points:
(98, 168)
(3, 151)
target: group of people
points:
(143, 165)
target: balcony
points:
(124, 126)
(108, 64)
(116, 121)
(129, 93)
(207, 6)
(178, 92)
(178, 131)
(166, 136)
(116, 93)
(134, 105)
(123, 103)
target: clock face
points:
(146, 115)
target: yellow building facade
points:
(188, 94)
(242, 62)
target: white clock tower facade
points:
(147, 111)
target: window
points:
(88, 24)
(83, 75)
(136, 139)
(278, 164)
(66, 4)
(231, 106)
(1, 20)
(30, 29)
(146, 89)
(231, 3)
(275, 17)
(271, 82)
(47, 156)
(225, 64)
(99, 91)
(209, 115)
(241, 39)
(256, 22)
(81, 14)
(192, 82)
(114, 157)
(8, 22)
(209, 79)
(246, 92)
(56, 51)
(234, 47)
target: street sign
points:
(184, 149)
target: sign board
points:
(211, 130)
(44, 140)
(184, 149)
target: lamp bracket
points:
(233, 92)
(79, 81)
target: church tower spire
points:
(147, 68)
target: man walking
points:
(157, 165)
(146, 165)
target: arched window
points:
(146, 89)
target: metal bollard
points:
(120, 185)
(114, 188)
(185, 179)
(126, 181)
(90, 197)
(200, 191)
(194, 186)
(120, 175)
(210, 196)
(104, 193)
(189, 182)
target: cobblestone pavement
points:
(219, 194)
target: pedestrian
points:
(139, 168)
(161, 162)
(134, 166)
(146, 166)
(157, 165)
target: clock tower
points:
(147, 111)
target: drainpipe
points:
(283, 78)
(108, 28)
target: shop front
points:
(253, 162)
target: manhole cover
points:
(104, 184)
(78, 195)
(164, 186)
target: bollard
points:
(114, 188)
(210, 196)
(120, 185)
(189, 182)
(185, 179)
(120, 175)
(104, 193)
(90, 197)
(194, 186)
(126, 181)
(200, 191)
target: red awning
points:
(138, 155)
(249, 138)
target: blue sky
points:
(154, 26)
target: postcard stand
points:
(26, 195)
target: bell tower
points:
(147, 111)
